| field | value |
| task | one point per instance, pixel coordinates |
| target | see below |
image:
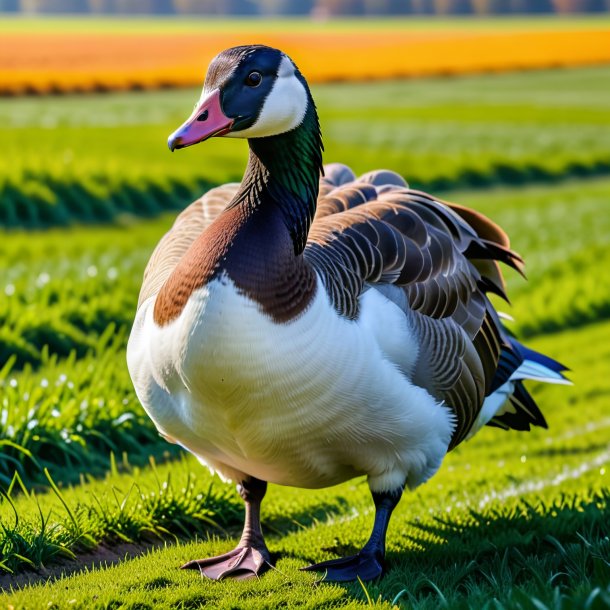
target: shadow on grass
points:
(523, 556)
(103, 556)
(56, 202)
(300, 519)
(567, 451)
(108, 553)
(506, 553)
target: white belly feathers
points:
(309, 403)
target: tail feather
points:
(520, 412)
(542, 359)
(533, 370)
(514, 406)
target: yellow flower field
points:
(72, 60)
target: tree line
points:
(316, 8)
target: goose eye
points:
(254, 79)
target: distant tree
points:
(55, 6)
(243, 7)
(99, 6)
(130, 7)
(340, 7)
(205, 7)
(70, 6)
(532, 6)
(580, 6)
(452, 7)
(9, 6)
(29, 6)
(401, 7)
(388, 7)
(162, 7)
(491, 7)
(423, 7)
(285, 7)
(216, 7)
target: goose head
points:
(250, 91)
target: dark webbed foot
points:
(251, 556)
(366, 566)
(241, 563)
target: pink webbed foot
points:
(241, 563)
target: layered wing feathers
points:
(435, 260)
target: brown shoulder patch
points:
(196, 267)
(256, 251)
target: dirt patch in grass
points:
(103, 556)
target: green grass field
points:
(96, 158)
(136, 24)
(512, 520)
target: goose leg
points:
(368, 564)
(251, 556)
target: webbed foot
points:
(241, 563)
(251, 556)
(366, 566)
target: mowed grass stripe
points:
(49, 202)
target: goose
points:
(308, 326)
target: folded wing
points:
(435, 260)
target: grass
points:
(70, 415)
(564, 235)
(512, 517)
(206, 24)
(102, 158)
(128, 506)
(64, 288)
(512, 520)
(560, 472)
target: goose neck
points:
(283, 172)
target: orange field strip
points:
(64, 62)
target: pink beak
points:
(208, 120)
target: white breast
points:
(309, 403)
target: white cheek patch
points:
(284, 108)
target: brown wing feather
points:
(435, 260)
(187, 227)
